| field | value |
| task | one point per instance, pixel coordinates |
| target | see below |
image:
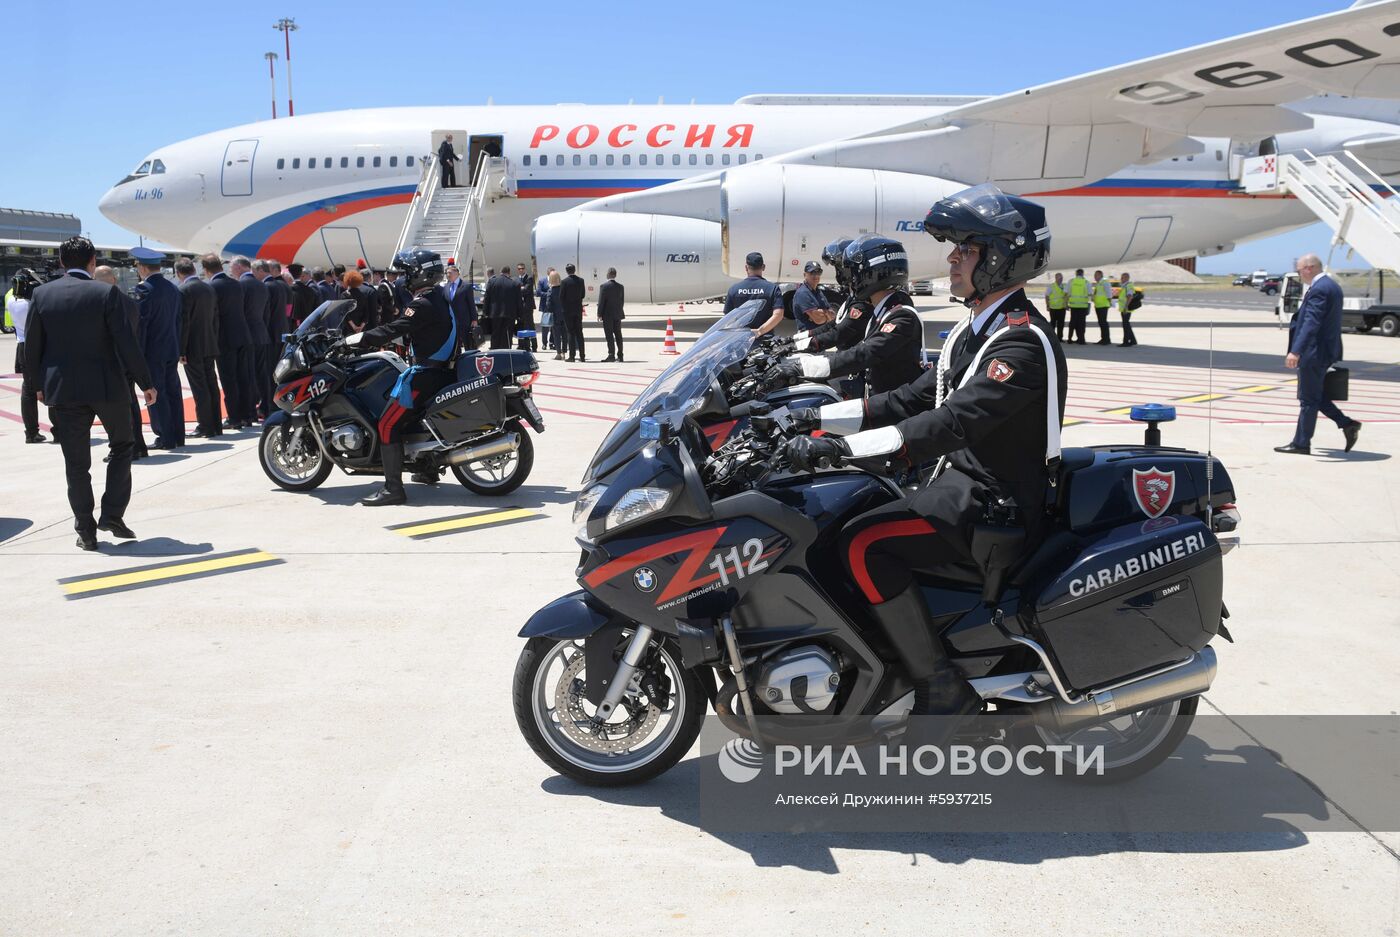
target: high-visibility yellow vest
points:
(1056, 297)
(9, 298)
(1125, 296)
(1078, 293)
(1103, 294)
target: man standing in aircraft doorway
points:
(448, 158)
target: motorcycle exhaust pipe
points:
(1189, 679)
(503, 446)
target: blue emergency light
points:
(1152, 414)
(651, 428)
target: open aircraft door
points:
(237, 176)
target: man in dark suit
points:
(279, 301)
(255, 314)
(79, 350)
(458, 293)
(610, 312)
(527, 307)
(105, 274)
(502, 307)
(388, 309)
(305, 299)
(447, 159)
(235, 344)
(158, 303)
(1314, 345)
(571, 293)
(199, 346)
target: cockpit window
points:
(157, 167)
(145, 168)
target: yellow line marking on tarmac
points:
(162, 573)
(448, 525)
(1071, 422)
(1119, 411)
(1199, 398)
(1256, 388)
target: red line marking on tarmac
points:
(593, 390)
(591, 416)
(612, 403)
(645, 379)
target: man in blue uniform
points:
(810, 307)
(1314, 345)
(158, 302)
(754, 286)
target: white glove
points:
(818, 366)
(844, 418)
(353, 340)
(801, 340)
(875, 442)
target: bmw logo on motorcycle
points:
(645, 578)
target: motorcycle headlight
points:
(635, 505)
(282, 371)
(584, 507)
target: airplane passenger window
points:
(359, 162)
(757, 157)
(311, 163)
(157, 167)
(376, 162)
(743, 158)
(641, 160)
(592, 159)
(709, 159)
(526, 160)
(328, 162)
(559, 159)
(627, 159)
(345, 162)
(281, 163)
(393, 161)
(693, 159)
(725, 159)
(578, 160)
(296, 163)
(609, 160)
(676, 159)
(408, 161)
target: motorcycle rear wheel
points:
(550, 671)
(502, 474)
(301, 473)
(1134, 743)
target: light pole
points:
(272, 77)
(288, 26)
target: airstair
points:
(452, 221)
(1360, 207)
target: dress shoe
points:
(1351, 432)
(385, 496)
(37, 437)
(165, 446)
(609, 358)
(230, 424)
(1291, 449)
(87, 541)
(570, 360)
(1103, 341)
(426, 477)
(116, 529)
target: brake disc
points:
(587, 732)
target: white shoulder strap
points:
(1052, 387)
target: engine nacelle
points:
(789, 213)
(659, 258)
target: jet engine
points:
(659, 258)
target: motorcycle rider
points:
(431, 330)
(890, 354)
(987, 412)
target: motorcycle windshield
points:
(683, 386)
(326, 316)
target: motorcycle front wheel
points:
(502, 474)
(300, 470)
(646, 734)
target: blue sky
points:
(96, 89)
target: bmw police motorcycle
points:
(710, 579)
(330, 399)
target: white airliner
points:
(1133, 162)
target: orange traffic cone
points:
(670, 347)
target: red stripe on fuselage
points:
(283, 244)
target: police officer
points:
(810, 307)
(431, 330)
(159, 306)
(1057, 301)
(891, 354)
(1078, 307)
(754, 286)
(991, 412)
(1103, 301)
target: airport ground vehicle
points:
(710, 578)
(330, 400)
(1257, 278)
(1242, 280)
(1271, 285)
(1363, 306)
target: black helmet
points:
(874, 263)
(24, 282)
(835, 256)
(1011, 231)
(421, 268)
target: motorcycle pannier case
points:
(1137, 597)
(467, 408)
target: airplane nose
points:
(111, 206)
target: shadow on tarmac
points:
(1356, 455)
(1248, 784)
(13, 526)
(446, 493)
(152, 546)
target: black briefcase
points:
(1336, 383)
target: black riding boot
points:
(392, 492)
(939, 689)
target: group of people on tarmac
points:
(989, 413)
(1075, 298)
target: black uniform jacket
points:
(502, 300)
(992, 429)
(610, 296)
(426, 323)
(255, 308)
(305, 299)
(891, 355)
(78, 343)
(279, 296)
(233, 328)
(199, 320)
(846, 332)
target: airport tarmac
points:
(301, 723)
